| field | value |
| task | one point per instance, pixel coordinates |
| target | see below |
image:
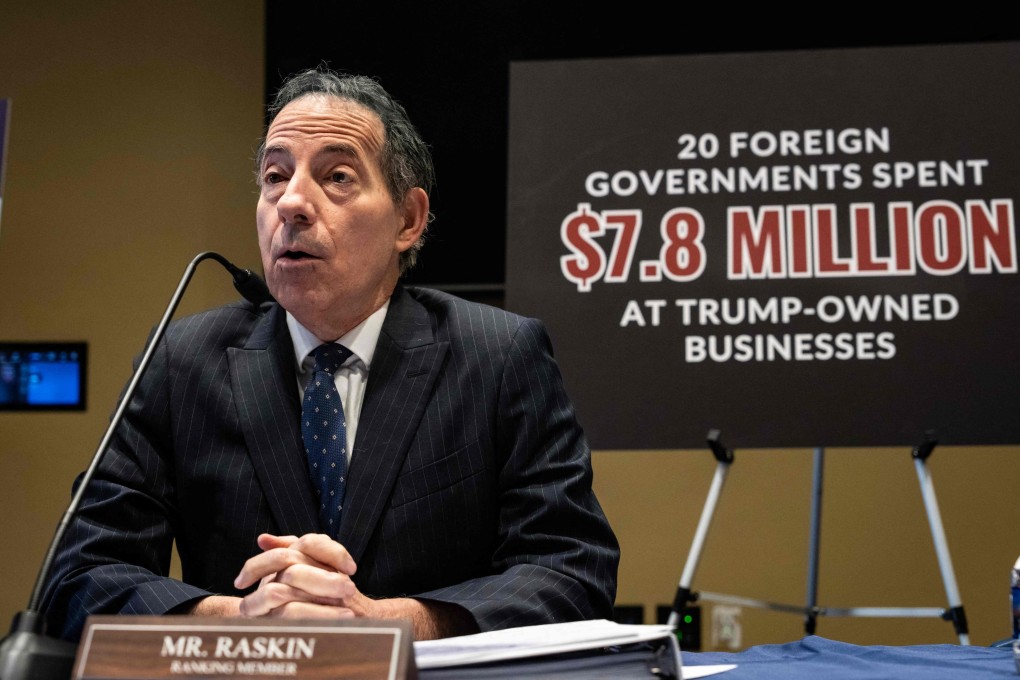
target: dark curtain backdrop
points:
(448, 63)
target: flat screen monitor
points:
(43, 376)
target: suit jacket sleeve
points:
(170, 473)
(115, 556)
(556, 556)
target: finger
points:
(267, 563)
(310, 610)
(325, 550)
(312, 545)
(274, 595)
(269, 541)
(316, 582)
(268, 597)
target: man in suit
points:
(463, 478)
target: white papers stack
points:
(526, 641)
(552, 638)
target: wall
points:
(132, 133)
(130, 150)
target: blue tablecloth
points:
(814, 658)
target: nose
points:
(297, 204)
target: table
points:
(810, 658)
(814, 657)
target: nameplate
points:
(158, 647)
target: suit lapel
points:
(404, 369)
(263, 377)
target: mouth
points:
(295, 255)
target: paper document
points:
(692, 672)
(527, 641)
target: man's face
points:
(329, 230)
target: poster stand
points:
(811, 610)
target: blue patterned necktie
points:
(324, 431)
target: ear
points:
(415, 210)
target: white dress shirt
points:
(352, 377)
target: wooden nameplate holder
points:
(159, 647)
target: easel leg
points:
(724, 458)
(811, 617)
(955, 612)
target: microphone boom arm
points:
(27, 653)
(65, 521)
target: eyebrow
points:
(332, 149)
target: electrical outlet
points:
(688, 630)
(726, 631)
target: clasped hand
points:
(302, 577)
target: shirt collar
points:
(361, 339)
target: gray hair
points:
(405, 158)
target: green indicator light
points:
(688, 618)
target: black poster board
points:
(802, 248)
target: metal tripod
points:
(811, 610)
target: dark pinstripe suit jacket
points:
(470, 480)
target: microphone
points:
(28, 652)
(248, 283)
